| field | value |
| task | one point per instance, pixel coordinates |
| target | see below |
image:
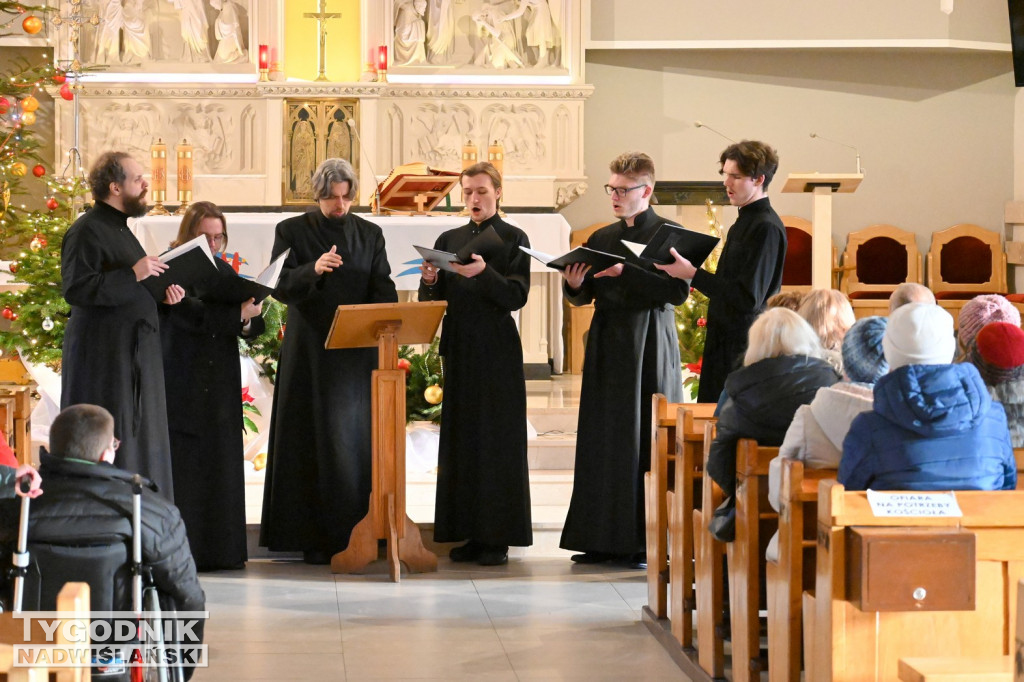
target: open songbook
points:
(414, 188)
(238, 289)
(598, 260)
(486, 245)
(188, 265)
(692, 245)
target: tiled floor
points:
(535, 619)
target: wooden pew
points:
(709, 555)
(681, 501)
(944, 669)
(792, 573)
(932, 559)
(656, 484)
(73, 598)
(755, 523)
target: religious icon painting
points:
(315, 130)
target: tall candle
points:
(264, 57)
(184, 150)
(496, 155)
(469, 154)
(158, 170)
(382, 58)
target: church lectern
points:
(386, 325)
(822, 186)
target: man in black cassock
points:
(483, 483)
(749, 270)
(632, 353)
(111, 355)
(319, 458)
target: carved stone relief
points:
(314, 131)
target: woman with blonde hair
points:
(830, 315)
(782, 370)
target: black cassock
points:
(111, 354)
(483, 486)
(749, 273)
(204, 417)
(632, 353)
(318, 469)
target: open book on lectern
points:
(188, 265)
(486, 245)
(597, 260)
(692, 245)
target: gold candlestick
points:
(158, 177)
(184, 151)
(469, 154)
(496, 155)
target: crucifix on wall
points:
(321, 17)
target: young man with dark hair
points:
(749, 269)
(632, 353)
(112, 340)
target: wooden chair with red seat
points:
(877, 259)
(796, 271)
(965, 261)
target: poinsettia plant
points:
(249, 407)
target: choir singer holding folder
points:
(111, 353)
(483, 487)
(203, 377)
(749, 270)
(632, 353)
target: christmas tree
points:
(691, 317)
(31, 238)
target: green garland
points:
(424, 371)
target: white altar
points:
(251, 238)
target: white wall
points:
(935, 129)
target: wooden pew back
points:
(854, 644)
(709, 555)
(792, 572)
(73, 598)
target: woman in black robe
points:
(318, 469)
(204, 415)
(483, 485)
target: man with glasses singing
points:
(749, 269)
(632, 352)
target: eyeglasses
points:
(215, 238)
(620, 192)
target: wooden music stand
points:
(416, 193)
(386, 325)
(822, 186)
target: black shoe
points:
(592, 557)
(493, 555)
(468, 552)
(317, 557)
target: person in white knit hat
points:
(933, 425)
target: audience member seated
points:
(830, 314)
(933, 425)
(909, 292)
(998, 353)
(785, 299)
(978, 312)
(86, 496)
(782, 369)
(818, 429)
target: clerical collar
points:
(114, 213)
(641, 218)
(755, 205)
(477, 228)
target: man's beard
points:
(135, 207)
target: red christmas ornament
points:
(39, 171)
(5, 105)
(8, 314)
(13, 267)
(14, 316)
(404, 364)
(66, 93)
(701, 322)
(38, 242)
(52, 204)
(59, 78)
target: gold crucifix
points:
(321, 23)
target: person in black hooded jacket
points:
(782, 370)
(87, 497)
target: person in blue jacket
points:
(934, 425)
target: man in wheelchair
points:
(81, 528)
